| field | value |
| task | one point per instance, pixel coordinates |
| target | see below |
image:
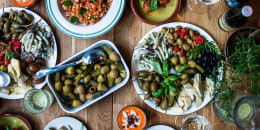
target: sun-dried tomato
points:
(182, 52)
(198, 40)
(176, 49)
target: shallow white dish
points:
(110, 19)
(52, 60)
(135, 68)
(160, 127)
(65, 121)
(77, 56)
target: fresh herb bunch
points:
(201, 48)
(242, 66)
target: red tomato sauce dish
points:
(131, 118)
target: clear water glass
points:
(200, 6)
(202, 123)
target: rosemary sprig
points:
(201, 48)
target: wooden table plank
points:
(126, 34)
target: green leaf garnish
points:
(82, 11)
(93, 1)
(91, 18)
(153, 5)
(67, 3)
(165, 68)
(105, 4)
(182, 68)
(74, 19)
(201, 48)
(157, 67)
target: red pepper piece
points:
(182, 52)
(198, 40)
(176, 49)
(179, 31)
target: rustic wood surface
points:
(126, 34)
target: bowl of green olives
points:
(77, 87)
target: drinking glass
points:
(200, 6)
(247, 112)
(196, 122)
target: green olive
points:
(113, 74)
(175, 35)
(170, 41)
(118, 80)
(184, 81)
(104, 69)
(66, 89)
(92, 89)
(150, 77)
(72, 96)
(70, 70)
(187, 53)
(97, 67)
(179, 53)
(176, 67)
(186, 37)
(200, 69)
(76, 103)
(174, 60)
(177, 27)
(179, 41)
(123, 73)
(147, 96)
(190, 71)
(158, 79)
(164, 104)
(192, 63)
(86, 79)
(68, 82)
(146, 86)
(184, 76)
(186, 47)
(79, 71)
(153, 87)
(156, 99)
(83, 67)
(82, 97)
(102, 87)
(101, 78)
(80, 89)
(183, 60)
(142, 74)
(114, 56)
(171, 30)
(90, 96)
(171, 101)
(140, 83)
(113, 66)
(191, 33)
(58, 86)
(164, 30)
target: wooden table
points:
(126, 34)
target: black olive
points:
(204, 65)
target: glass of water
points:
(247, 112)
(200, 6)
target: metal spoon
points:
(4, 79)
(95, 56)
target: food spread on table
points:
(25, 49)
(85, 11)
(176, 70)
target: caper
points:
(118, 80)
(174, 60)
(142, 74)
(146, 86)
(97, 67)
(153, 87)
(104, 69)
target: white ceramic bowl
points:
(78, 56)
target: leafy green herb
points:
(157, 67)
(82, 11)
(165, 68)
(105, 4)
(8, 128)
(70, 127)
(67, 3)
(91, 18)
(74, 19)
(182, 68)
(153, 5)
(201, 48)
(143, 0)
(93, 1)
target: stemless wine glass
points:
(200, 6)
(247, 112)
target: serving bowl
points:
(15, 121)
(159, 16)
(78, 56)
